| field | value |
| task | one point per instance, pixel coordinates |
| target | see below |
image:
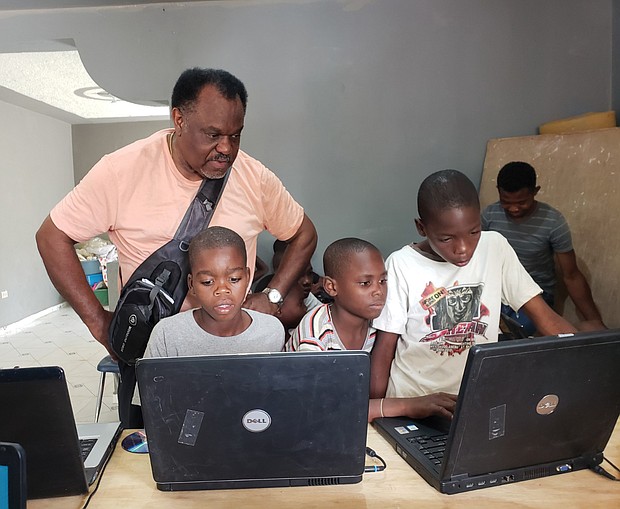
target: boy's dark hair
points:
(216, 237)
(445, 189)
(515, 176)
(338, 253)
(192, 81)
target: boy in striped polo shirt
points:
(356, 278)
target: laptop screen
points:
(41, 420)
(258, 419)
(533, 401)
(526, 409)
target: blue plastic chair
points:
(105, 366)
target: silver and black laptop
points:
(527, 408)
(61, 459)
(255, 420)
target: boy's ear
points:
(190, 284)
(536, 189)
(420, 227)
(330, 286)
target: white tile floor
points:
(61, 339)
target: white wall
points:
(36, 170)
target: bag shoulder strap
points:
(198, 215)
(196, 219)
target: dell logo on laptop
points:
(547, 404)
(256, 420)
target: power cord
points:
(374, 468)
(614, 466)
(98, 482)
(601, 471)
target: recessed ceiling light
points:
(58, 78)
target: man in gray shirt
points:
(539, 234)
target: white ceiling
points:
(58, 79)
(54, 82)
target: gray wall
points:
(615, 105)
(352, 103)
(35, 172)
(92, 141)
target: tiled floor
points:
(61, 339)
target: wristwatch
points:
(274, 296)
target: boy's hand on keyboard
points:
(440, 403)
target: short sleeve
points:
(90, 208)
(485, 219)
(300, 342)
(283, 215)
(560, 237)
(309, 335)
(393, 317)
(518, 287)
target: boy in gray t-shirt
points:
(219, 279)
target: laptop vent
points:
(535, 473)
(326, 481)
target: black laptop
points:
(527, 408)
(61, 459)
(255, 420)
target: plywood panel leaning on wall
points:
(579, 174)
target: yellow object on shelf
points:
(585, 122)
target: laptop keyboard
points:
(432, 447)
(86, 445)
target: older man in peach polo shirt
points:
(139, 195)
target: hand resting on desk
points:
(440, 403)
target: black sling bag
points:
(158, 286)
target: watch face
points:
(274, 296)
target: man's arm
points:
(293, 309)
(65, 272)
(381, 361)
(300, 249)
(260, 269)
(547, 321)
(579, 290)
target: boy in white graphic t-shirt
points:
(445, 293)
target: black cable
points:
(99, 477)
(601, 471)
(614, 466)
(374, 468)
